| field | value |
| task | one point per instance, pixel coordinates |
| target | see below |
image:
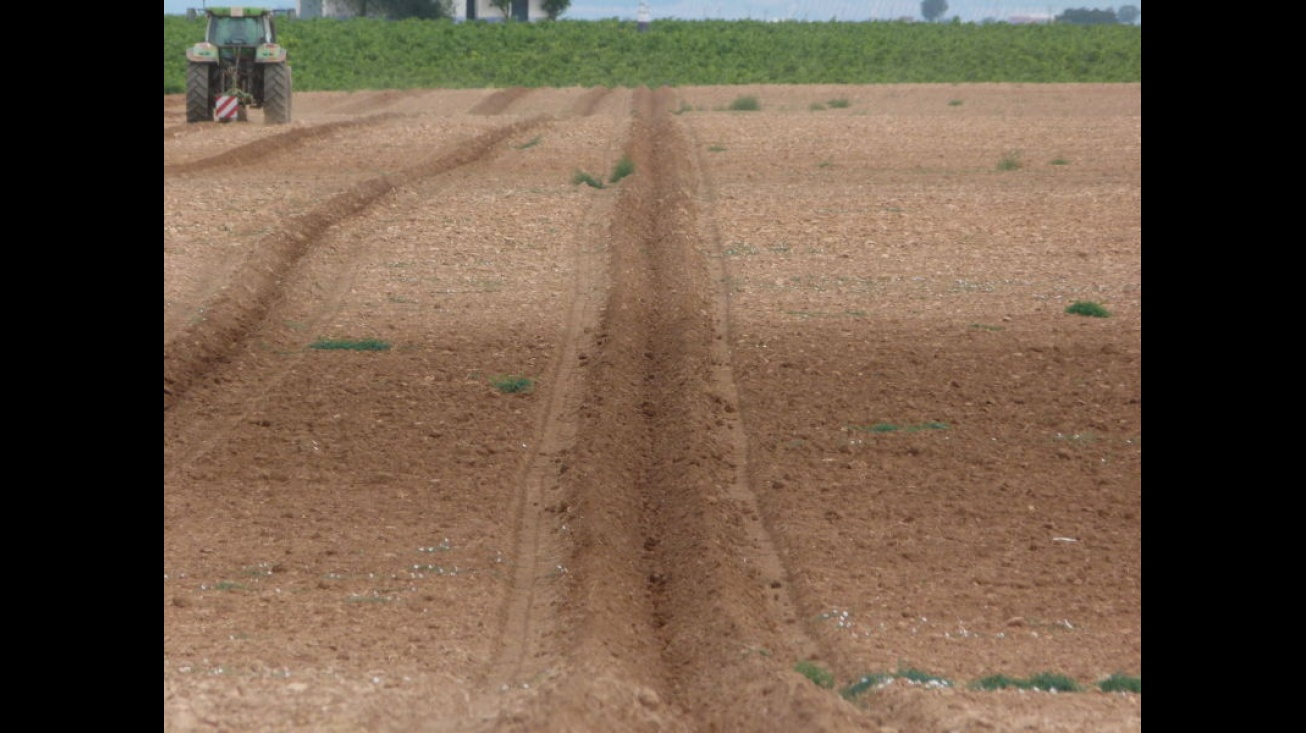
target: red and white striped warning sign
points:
(227, 108)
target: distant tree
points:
(503, 6)
(1127, 14)
(1085, 16)
(398, 9)
(555, 8)
(932, 10)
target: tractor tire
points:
(276, 94)
(199, 98)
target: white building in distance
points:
(523, 10)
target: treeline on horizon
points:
(366, 53)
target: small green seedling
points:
(350, 345)
(1010, 162)
(1121, 683)
(513, 384)
(1087, 308)
(745, 103)
(820, 676)
(580, 177)
(623, 168)
(1044, 681)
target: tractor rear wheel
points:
(199, 98)
(276, 93)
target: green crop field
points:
(344, 55)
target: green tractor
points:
(238, 65)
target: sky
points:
(969, 11)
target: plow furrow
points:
(654, 585)
(259, 150)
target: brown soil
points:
(804, 390)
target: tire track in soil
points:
(527, 631)
(370, 101)
(499, 102)
(259, 151)
(679, 616)
(174, 131)
(769, 568)
(589, 102)
(254, 284)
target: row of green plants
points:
(1043, 681)
(368, 53)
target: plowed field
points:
(800, 389)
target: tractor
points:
(238, 66)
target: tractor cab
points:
(238, 26)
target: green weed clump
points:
(998, 682)
(875, 680)
(623, 168)
(820, 676)
(350, 345)
(840, 103)
(1121, 683)
(1010, 162)
(513, 384)
(1044, 681)
(1087, 308)
(580, 177)
(746, 103)
(892, 428)
(918, 677)
(866, 683)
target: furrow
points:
(500, 101)
(257, 152)
(678, 595)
